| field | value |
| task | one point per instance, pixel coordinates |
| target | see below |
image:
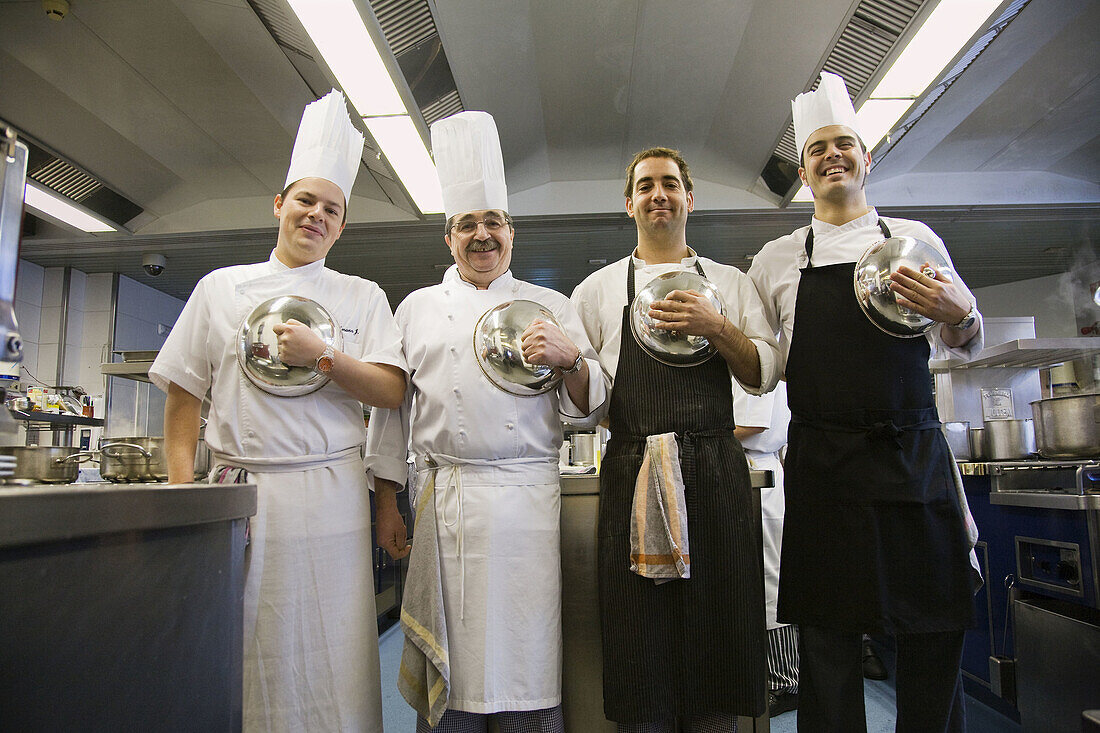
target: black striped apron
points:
(688, 646)
(873, 536)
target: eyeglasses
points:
(469, 226)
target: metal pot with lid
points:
(143, 459)
(672, 347)
(258, 346)
(46, 464)
(871, 281)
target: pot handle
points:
(84, 455)
(138, 448)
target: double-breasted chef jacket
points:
(692, 646)
(311, 643)
(874, 536)
(494, 456)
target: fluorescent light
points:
(54, 205)
(943, 34)
(876, 118)
(338, 31)
(401, 141)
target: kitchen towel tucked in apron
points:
(659, 547)
(425, 675)
(310, 627)
(874, 536)
(694, 646)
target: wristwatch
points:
(967, 320)
(576, 365)
(325, 361)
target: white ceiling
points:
(188, 108)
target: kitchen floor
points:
(398, 717)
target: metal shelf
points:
(137, 370)
(1024, 353)
(56, 419)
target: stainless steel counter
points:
(123, 606)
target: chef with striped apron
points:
(689, 651)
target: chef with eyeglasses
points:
(482, 605)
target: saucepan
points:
(499, 352)
(672, 347)
(47, 464)
(871, 281)
(258, 345)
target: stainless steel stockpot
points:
(1068, 426)
(48, 464)
(1009, 440)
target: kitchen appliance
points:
(871, 281)
(45, 464)
(499, 353)
(672, 347)
(1007, 440)
(1068, 427)
(258, 345)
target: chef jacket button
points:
(450, 316)
(453, 349)
(510, 426)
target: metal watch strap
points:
(576, 365)
(967, 320)
(326, 356)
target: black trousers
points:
(928, 683)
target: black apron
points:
(873, 535)
(687, 646)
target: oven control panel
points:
(1049, 565)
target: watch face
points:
(324, 364)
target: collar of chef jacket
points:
(280, 266)
(688, 262)
(452, 277)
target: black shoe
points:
(873, 668)
(781, 703)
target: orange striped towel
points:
(658, 522)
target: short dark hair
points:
(287, 190)
(451, 220)
(674, 155)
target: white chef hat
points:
(328, 146)
(469, 163)
(828, 105)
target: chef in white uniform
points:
(310, 633)
(762, 429)
(487, 459)
(876, 535)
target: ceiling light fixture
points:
(45, 201)
(341, 36)
(944, 33)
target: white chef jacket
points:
(452, 407)
(310, 634)
(775, 271)
(200, 355)
(601, 297)
(770, 412)
(497, 494)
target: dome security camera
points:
(153, 264)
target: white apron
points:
(500, 560)
(310, 626)
(771, 524)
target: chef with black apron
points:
(691, 649)
(875, 537)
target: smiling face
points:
(659, 202)
(484, 253)
(310, 221)
(834, 163)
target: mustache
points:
(484, 246)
